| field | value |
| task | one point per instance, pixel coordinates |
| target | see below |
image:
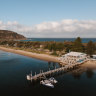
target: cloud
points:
(64, 28)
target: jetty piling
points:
(60, 70)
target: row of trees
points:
(89, 48)
(76, 46)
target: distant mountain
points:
(10, 35)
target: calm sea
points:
(13, 70)
(84, 40)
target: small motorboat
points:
(47, 83)
(53, 80)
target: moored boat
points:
(53, 80)
(47, 83)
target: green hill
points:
(10, 35)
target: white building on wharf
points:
(73, 58)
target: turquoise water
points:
(84, 40)
(13, 70)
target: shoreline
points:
(32, 55)
(89, 64)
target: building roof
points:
(75, 54)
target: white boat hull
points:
(29, 77)
(48, 84)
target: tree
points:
(90, 49)
(77, 46)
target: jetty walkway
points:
(66, 68)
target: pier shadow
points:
(76, 73)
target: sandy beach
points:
(33, 55)
(91, 64)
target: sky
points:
(49, 18)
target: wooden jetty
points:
(66, 68)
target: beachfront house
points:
(73, 58)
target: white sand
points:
(89, 64)
(33, 55)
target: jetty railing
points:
(66, 68)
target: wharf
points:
(66, 68)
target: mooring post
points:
(31, 76)
(40, 74)
(55, 67)
(35, 73)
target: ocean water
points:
(84, 40)
(13, 70)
